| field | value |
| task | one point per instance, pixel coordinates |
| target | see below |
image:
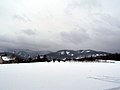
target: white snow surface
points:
(60, 76)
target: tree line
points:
(44, 58)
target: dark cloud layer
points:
(73, 24)
(103, 34)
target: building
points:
(7, 59)
(1, 61)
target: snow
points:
(72, 54)
(97, 55)
(82, 51)
(62, 53)
(67, 52)
(64, 58)
(87, 51)
(60, 76)
(78, 58)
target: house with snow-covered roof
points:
(7, 59)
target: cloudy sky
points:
(60, 24)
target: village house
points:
(7, 59)
(1, 61)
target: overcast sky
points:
(60, 24)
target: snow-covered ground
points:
(60, 76)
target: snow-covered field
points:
(60, 76)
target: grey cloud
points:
(90, 3)
(7, 41)
(75, 36)
(83, 4)
(106, 24)
(105, 33)
(21, 41)
(101, 32)
(111, 20)
(13, 41)
(30, 32)
(22, 18)
(95, 30)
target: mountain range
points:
(61, 54)
(24, 53)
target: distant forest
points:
(115, 57)
(44, 58)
